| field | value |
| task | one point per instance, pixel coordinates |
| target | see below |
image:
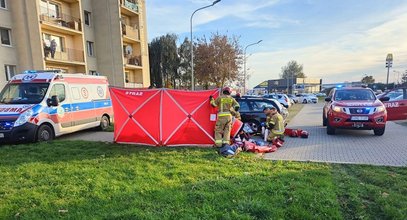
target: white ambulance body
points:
(40, 105)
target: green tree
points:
(169, 59)
(368, 79)
(184, 70)
(292, 70)
(154, 49)
(164, 61)
(217, 60)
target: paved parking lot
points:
(89, 135)
(347, 146)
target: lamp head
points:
(215, 2)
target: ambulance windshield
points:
(23, 93)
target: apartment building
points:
(105, 37)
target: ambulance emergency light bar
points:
(40, 71)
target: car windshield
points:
(354, 94)
(23, 93)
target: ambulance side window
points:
(75, 93)
(58, 90)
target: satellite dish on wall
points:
(129, 50)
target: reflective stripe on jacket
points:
(224, 104)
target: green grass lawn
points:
(90, 180)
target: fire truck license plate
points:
(360, 118)
(358, 125)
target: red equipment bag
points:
(294, 133)
(278, 142)
(252, 147)
(304, 134)
(236, 127)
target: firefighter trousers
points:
(274, 134)
(222, 130)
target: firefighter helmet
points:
(226, 90)
(304, 134)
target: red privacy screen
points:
(163, 117)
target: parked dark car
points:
(251, 110)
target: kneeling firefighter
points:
(224, 103)
(275, 123)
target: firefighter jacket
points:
(224, 103)
(276, 122)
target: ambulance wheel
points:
(104, 123)
(45, 133)
(379, 131)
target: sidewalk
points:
(347, 146)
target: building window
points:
(10, 71)
(87, 18)
(57, 45)
(93, 73)
(51, 9)
(90, 48)
(3, 4)
(5, 36)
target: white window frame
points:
(5, 5)
(90, 48)
(87, 14)
(9, 37)
(7, 69)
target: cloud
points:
(174, 17)
(345, 58)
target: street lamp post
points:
(192, 43)
(389, 63)
(244, 65)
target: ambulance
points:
(41, 105)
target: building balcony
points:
(133, 85)
(130, 32)
(68, 56)
(132, 61)
(61, 20)
(129, 7)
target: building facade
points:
(294, 86)
(104, 37)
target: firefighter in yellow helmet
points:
(275, 123)
(224, 103)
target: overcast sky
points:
(336, 40)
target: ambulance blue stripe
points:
(86, 105)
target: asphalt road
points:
(347, 146)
